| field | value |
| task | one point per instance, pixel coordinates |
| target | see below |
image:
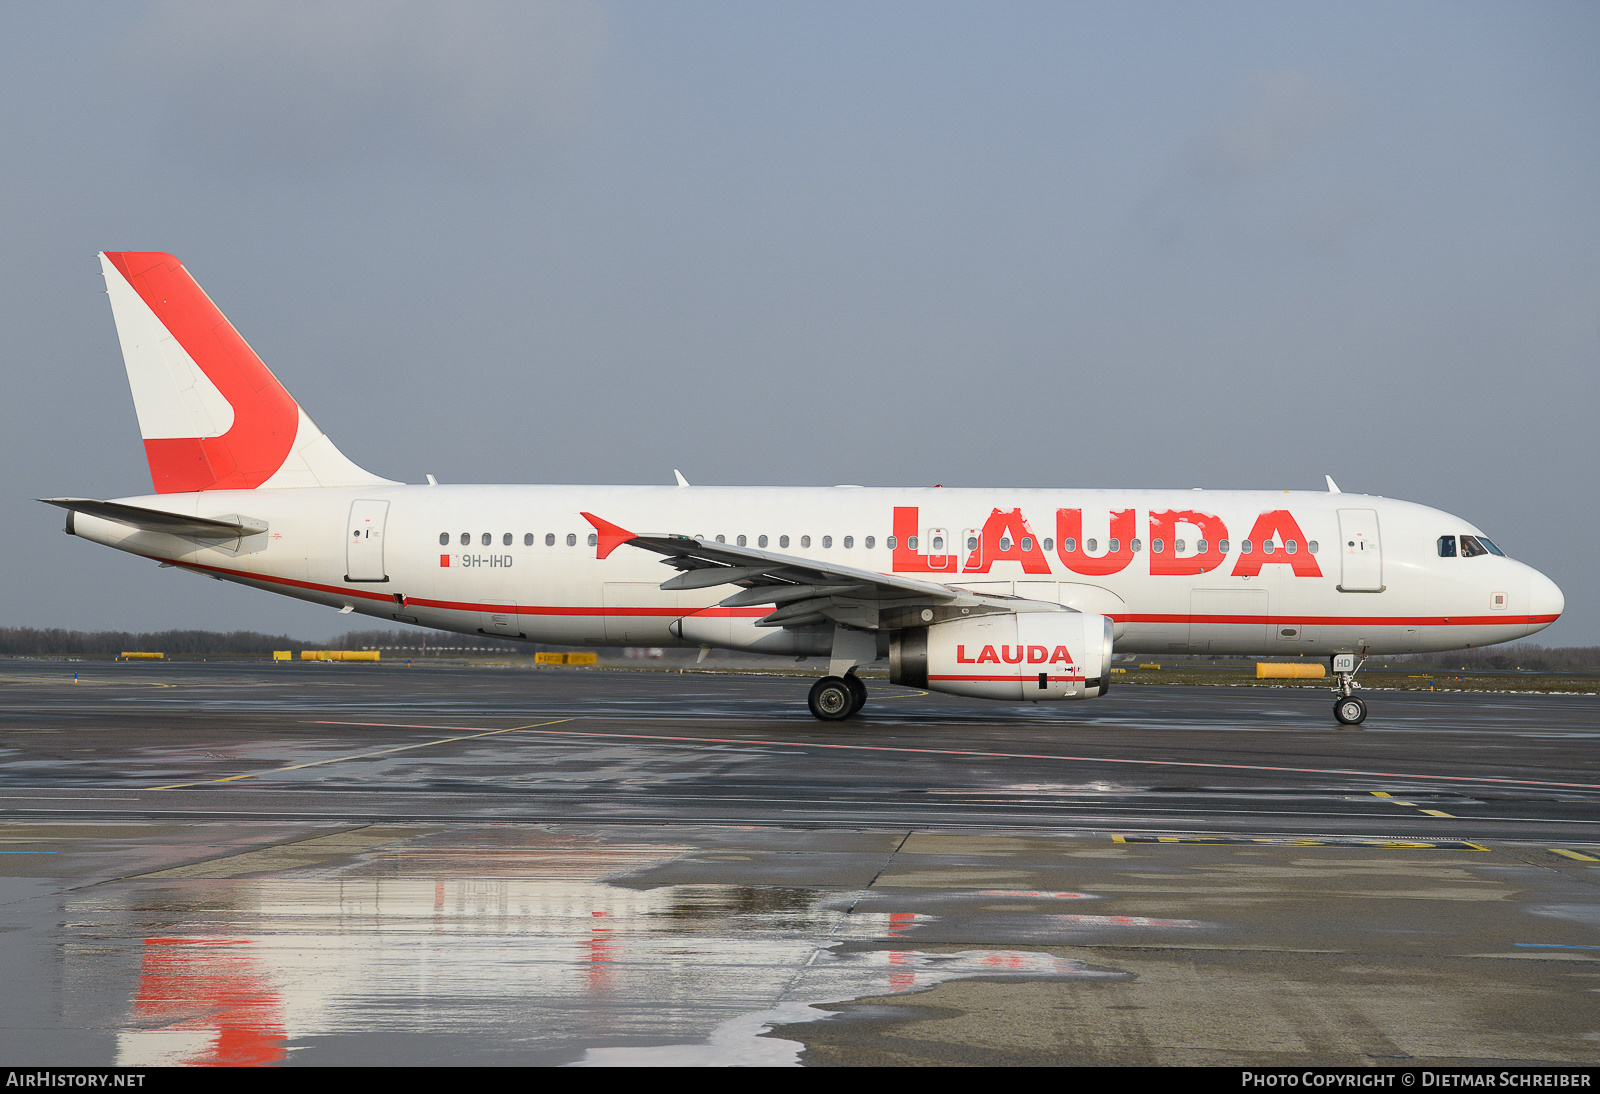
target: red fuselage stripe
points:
(757, 612)
(1012, 679)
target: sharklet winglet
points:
(611, 536)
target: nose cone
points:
(1545, 602)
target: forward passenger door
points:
(1361, 555)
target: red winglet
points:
(611, 536)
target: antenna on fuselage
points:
(679, 476)
(1333, 487)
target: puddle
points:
(834, 977)
(308, 970)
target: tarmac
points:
(327, 863)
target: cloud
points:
(1286, 113)
(319, 84)
(1249, 175)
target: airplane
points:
(1019, 595)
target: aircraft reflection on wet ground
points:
(562, 969)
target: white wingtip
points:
(1333, 487)
(679, 476)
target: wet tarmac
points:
(325, 863)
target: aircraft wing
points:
(806, 591)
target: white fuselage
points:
(1390, 592)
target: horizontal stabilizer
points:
(156, 520)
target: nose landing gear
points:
(1350, 710)
(1347, 708)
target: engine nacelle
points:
(1030, 656)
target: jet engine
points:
(1030, 656)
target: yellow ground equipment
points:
(1290, 670)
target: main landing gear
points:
(834, 698)
(1347, 708)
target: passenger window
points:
(761, 542)
(805, 541)
(487, 539)
(1113, 545)
(1222, 546)
(911, 543)
(505, 540)
(444, 539)
(594, 539)
(1244, 547)
(1312, 546)
(1291, 546)
(1090, 545)
(783, 541)
(1136, 544)
(1177, 547)
(1027, 543)
(1471, 548)
(572, 540)
(849, 542)
(1069, 545)
(1267, 546)
(527, 540)
(827, 541)
(722, 539)
(1199, 546)
(1049, 545)
(868, 542)
(1005, 543)
(1157, 546)
(740, 541)
(549, 539)
(466, 539)
(938, 545)
(972, 543)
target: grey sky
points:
(1223, 245)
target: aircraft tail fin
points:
(212, 415)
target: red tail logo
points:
(265, 417)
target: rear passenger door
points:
(363, 541)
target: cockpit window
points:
(1447, 546)
(1489, 543)
(1471, 547)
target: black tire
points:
(858, 690)
(831, 699)
(1350, 711)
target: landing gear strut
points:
(834, 698)
(1347, 708)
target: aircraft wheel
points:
(1350, 711)
(858, 691)
(831, 699)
